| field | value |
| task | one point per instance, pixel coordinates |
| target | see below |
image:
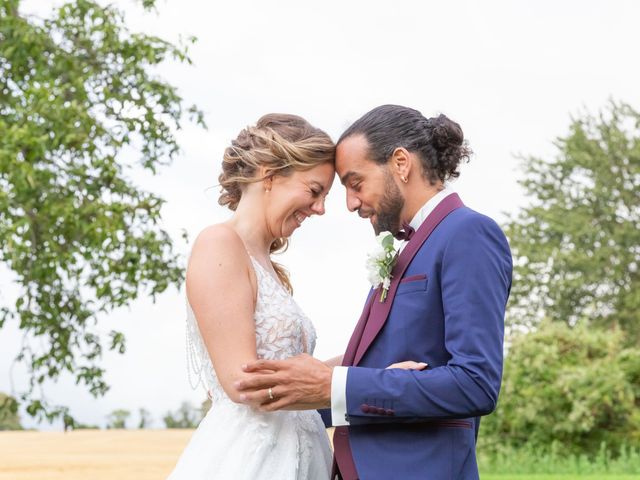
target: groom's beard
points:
(391, 205)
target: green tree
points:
(185, 417)
(576, 387)
(85, 426)
(205, 406)
(9, 417)
(118, 418)
(79, 109)
(145, 418)
(577, 245)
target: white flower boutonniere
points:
(380, 262)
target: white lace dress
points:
(234, 441)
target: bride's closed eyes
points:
(317, 191)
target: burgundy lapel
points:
(380, 310)
(350, 353)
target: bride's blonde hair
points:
(280, 144)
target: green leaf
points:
(80, 236)
(387, 242)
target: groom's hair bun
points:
(439, 140)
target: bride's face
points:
(296, 197)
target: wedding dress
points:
(235, 441)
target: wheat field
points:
(123, 455)
(90, 454)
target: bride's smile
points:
(289, 200)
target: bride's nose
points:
(318, 206)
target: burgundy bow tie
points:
(406, 233)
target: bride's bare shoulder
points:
(220, 242)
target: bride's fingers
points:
(409, 365)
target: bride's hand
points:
(334, 362)
(409, 365)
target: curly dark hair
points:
(439, 141)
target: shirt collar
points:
(428, 207)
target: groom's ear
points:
(400, 163)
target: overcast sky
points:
(511, 73)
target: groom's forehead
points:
(352, 156)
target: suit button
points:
(365, 408)
(389, 412)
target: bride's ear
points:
(267, 178)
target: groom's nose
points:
(353, 202)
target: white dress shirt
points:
(339, 376)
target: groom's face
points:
(371, 188)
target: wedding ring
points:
(271, 397)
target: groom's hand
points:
(298, 383)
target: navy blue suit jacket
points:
(448, 311)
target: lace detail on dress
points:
(199, 368)
(236, 441)
(282, 331)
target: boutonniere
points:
(380, 262)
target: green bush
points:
(572, 389)
(187, 416)
(9, 417)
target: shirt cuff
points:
(339, 396)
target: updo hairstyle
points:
(281, 144)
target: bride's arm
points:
(221, 292)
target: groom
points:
(445, 307)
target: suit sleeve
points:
(475, 279)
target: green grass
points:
(568, 476)
(528, 463)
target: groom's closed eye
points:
(351, 180)
(355, 183)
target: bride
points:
(274, 176)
